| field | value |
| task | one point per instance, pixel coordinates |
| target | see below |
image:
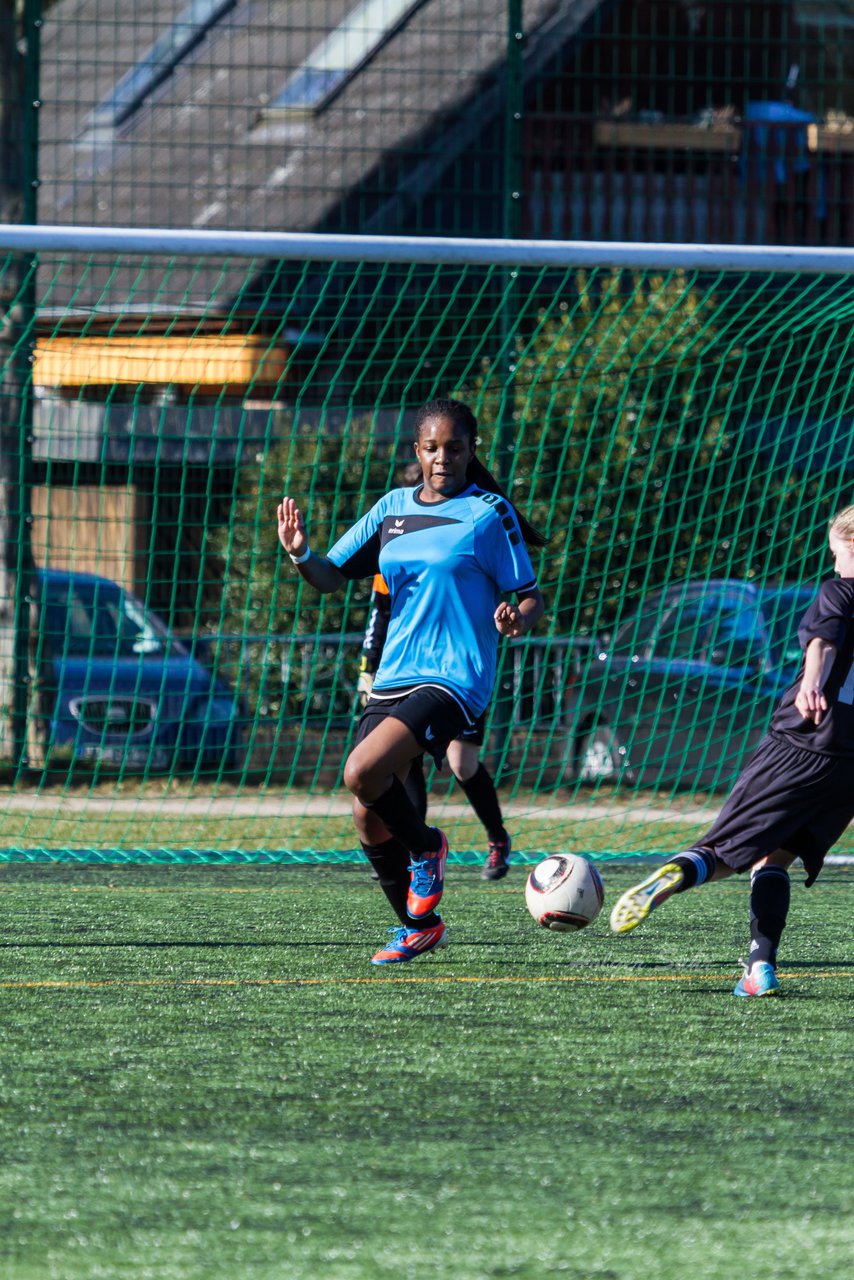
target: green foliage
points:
(335, 474)
(628, 406)
(637, 432)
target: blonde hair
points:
(842, 523)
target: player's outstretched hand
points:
(811, 703)
(509, 620)
(292, 534)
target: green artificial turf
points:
(204, 1079)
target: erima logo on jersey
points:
(428, 734)
(410, 522)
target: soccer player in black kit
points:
(795, 797)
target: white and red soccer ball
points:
(564, 893)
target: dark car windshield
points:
(694, 626)
(96, 618)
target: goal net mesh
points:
(680, 437)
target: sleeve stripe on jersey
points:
(364, 562)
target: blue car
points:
(116, 688)
(686, 688)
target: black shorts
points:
(476, 732)
(433, 716)
(785, 798)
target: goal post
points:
(675, 419)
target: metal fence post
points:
(24, 361)
(512, 223)
(504, 428)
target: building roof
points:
(203, 149)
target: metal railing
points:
(751, 182)
(315, 675)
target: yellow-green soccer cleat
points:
(635, 905)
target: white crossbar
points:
(452, 250)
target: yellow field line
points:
(122, 888)
(65, 985)
(733, 886)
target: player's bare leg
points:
(391, 829)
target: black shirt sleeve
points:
(364, 562)
(376, 630)
(829, 617)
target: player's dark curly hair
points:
(464, 420)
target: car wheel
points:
(600, 758)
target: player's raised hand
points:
(292, 533)
(509, 620)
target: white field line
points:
(249, 805)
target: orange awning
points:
(233, 360)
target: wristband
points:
(301, 559)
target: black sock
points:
(698, 866)
(390, 860)
(416, 787)
(770, 892)
(397, 812)
(483, 798)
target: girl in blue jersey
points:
(795, 796)
(463, 753)
(449, 550)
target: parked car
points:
(686, 688)
(116, 687)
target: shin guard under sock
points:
(770, 891)
(397, 813)
(390, 860)
(415, 785)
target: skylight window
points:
(128, 95)
(340, 55)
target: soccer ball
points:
(564, 893)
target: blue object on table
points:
(761, 141)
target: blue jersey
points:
(447, 566)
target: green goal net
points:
(678, 426)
